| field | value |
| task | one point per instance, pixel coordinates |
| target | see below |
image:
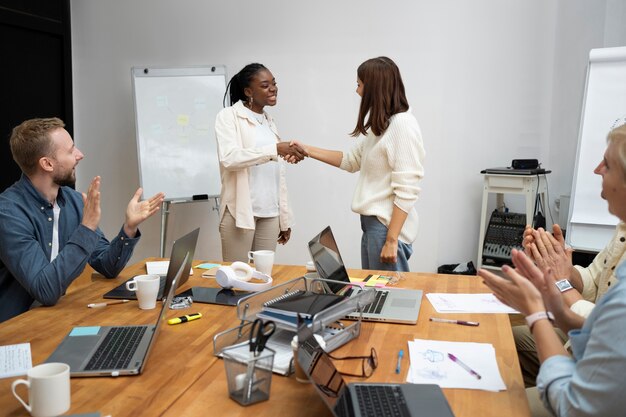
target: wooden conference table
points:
(184, 378)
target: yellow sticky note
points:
(182, 119)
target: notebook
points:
(365, 399)
(121, 350)
(186, 244)
(393, 305)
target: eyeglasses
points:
(368, 364)
(618, 122)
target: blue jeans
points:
(372, 242)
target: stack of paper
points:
(475, 366)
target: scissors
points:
(259, 333)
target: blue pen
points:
(400, 355)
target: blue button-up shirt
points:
(26, 224)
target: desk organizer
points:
(249, 377)
(328, 323)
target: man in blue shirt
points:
(49, 231)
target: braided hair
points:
(241, 81)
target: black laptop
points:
(365, 399)
(186, 244)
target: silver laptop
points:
(122, 350)
(393, 305)
(365, 399)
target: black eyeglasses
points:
(368, 364)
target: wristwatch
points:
(563, 285)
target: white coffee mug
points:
(147, 289)
(48, 389)
(263, 260)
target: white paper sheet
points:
(160, 268)
(15, 360)
(468, 303)
(430, 364)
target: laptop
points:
(121, 350)
(186, 244)
(365, 399)
(393, 305)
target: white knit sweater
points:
(390, 170)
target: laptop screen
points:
(183, 246)
(319, 368)
(327, 260)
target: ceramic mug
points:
(147, 289)
(48, 389)
(263, 260)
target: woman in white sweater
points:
(389, 159)
(254, 211)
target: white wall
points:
(488, 81)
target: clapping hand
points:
(548, 251)
(91, 205)
(291, 152)
(138, 211)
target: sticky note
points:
(207, 266)
(85, 331)
(161, 101)
(182, 119)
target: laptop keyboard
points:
(376, 306)
(381, 400)
(117, 348)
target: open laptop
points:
(186, 244)
(365, 399)
(394, 305)
(120, 350)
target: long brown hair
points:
(383, 95)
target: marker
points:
(399, 363)
(461, 322)
(184, 319)
(108, 303)
(464, 366)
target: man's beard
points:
(67, 180)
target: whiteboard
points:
(175, 110)
(590, 225)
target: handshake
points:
(292, 152)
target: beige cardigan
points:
(234, 131)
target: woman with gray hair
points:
(590, 382)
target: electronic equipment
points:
(505, 232)
(525, 164)
(239, 274)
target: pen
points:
(462, 322)
(185, 318)
(400, 355)
(464, 366)
(108, 303)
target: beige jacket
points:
(234, 131)
(599, 277)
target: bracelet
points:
(535, 317)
